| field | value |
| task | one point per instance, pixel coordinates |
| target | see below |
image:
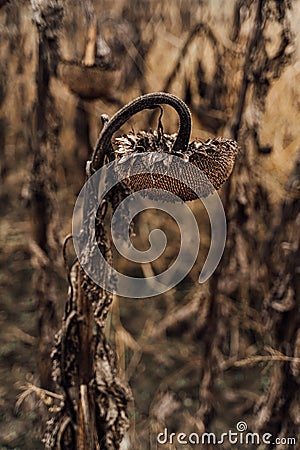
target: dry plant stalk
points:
(47, 17)
(93, 412)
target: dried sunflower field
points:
(198, 358)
